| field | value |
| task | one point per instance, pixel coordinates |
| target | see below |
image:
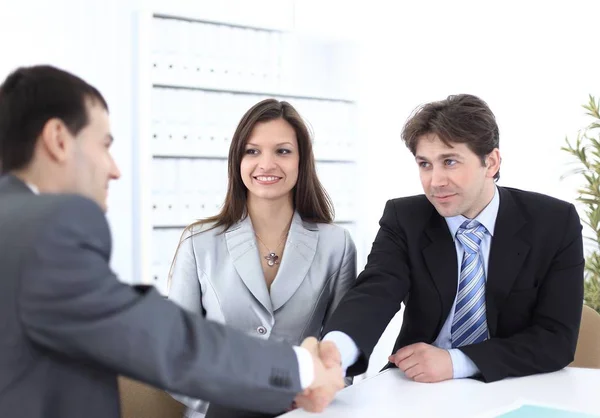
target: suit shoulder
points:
(79, 209)
(535, 202)
(69, 207)
(74, 202)
(336, 240)
(333, 231)
(68, 220)
(202, 232)
(417, 204)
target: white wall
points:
(534, 62)
(95, 40)
(92, 40)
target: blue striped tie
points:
(469, 325)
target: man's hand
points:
(328, 380)
(424, 363)
(330, 355)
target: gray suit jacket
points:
(220, 275)
(69, 327)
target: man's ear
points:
(56, 140)
(492, 162)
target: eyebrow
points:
(450, 155)
(441, 157)
(281, 143)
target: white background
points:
(534, 62)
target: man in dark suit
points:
(491, 277)
(68, 327)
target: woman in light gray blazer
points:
(271, 263)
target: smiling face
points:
(269, 168)
(454, 178)
(93, 166)
(81, 163)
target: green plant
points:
(586, 151)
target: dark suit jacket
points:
(68, 326)
(534, 290)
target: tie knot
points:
(470, 234)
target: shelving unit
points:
(196, 79)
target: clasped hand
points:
(423, 363)
(328, 380)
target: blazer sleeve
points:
(549, 343)
(71, 303)
(185, 291)
(345, 277)
(184, 287)
(376, 296)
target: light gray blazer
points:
(220, 274)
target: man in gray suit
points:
(68, 327)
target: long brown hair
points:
(310, 198)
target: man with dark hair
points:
(69, 327)
(491, 277)
(55, 107)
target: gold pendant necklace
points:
(272, 257)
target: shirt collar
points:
(487, 217)
(33, 188)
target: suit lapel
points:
(507, 254)
(241, 245)
(440, 259)
(300, 249)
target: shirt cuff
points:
(462, 365)
(306, 367)
(346, 346)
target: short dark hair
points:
(462, 118)
(30, 97)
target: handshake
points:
(328, 377)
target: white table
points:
(391, 394)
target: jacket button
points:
(261, 330)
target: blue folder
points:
(534, 411)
